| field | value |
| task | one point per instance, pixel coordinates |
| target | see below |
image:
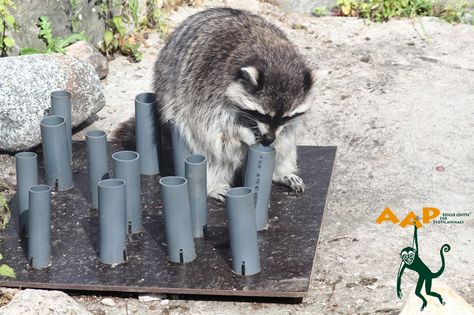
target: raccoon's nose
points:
(267, 140)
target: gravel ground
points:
(398, 101)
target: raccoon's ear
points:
(250, 74)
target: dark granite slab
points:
(287, 248)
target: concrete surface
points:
(399, 103)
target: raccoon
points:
(229, 79)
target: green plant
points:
(4, 211)
(74, 14)
(320, 11)
(132, 5)
(7, 21)
(156, 17)
(53, 44)
(453, 12)
(383, 10)
(6, 271)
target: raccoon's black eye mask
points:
(276, 120)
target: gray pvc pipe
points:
(180, 151)
(96, 141)
(112, 220)
(258, 176)
(196, 174)
(126, 166)
(147, 132)
(178, 227)
(26, 176)
(56, 152)
(61, 106)
(39, 238)
(243, 231)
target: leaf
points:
(1, 256)
(30, 51)
(108, 37)
(10, 20)
(115, 43)
(346, 9)
(7, 271)
(118, 23)
(9, 42)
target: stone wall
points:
(59, 13)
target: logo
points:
(411, 260)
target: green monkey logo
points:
(411, 260)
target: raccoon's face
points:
(268, 99)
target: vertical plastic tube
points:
(56, 154)
(147, 132)
(243, 231)
(26, 176)
(39, 238)
(196, 174)
(61, 106)
(126, 166)
(96, 141)
(180, 151)
(258, 176)
(112, 220)
(178, 227)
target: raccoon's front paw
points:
(294, 182)
(219, 192)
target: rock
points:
(85, 51)
(42, 302)
(25, 86)
(149, 298)
(60, 13)
(165, 302)
(455, 304)
(108, 302)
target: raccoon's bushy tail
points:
(445, 248)
(125, 134)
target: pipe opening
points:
(111, 183)
(39, 188)
(262, 149)
(125, 156)
(195, 159)
(239, 192)
(129, 227)
(24, 155)
(243, 268)
(181, 256)
(146, 97)
(172, 181)
(52, 121)
(60, 94)
(95, 134)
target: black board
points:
(287, 247)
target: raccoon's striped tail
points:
(445, 248)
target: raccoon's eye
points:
(286, 119)
(263, 118)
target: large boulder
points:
(42, 302)
(26, 83)
(84, 15)
(86, 51)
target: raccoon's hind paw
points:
(294, 182)
(219, 192)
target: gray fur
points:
(217, 65)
